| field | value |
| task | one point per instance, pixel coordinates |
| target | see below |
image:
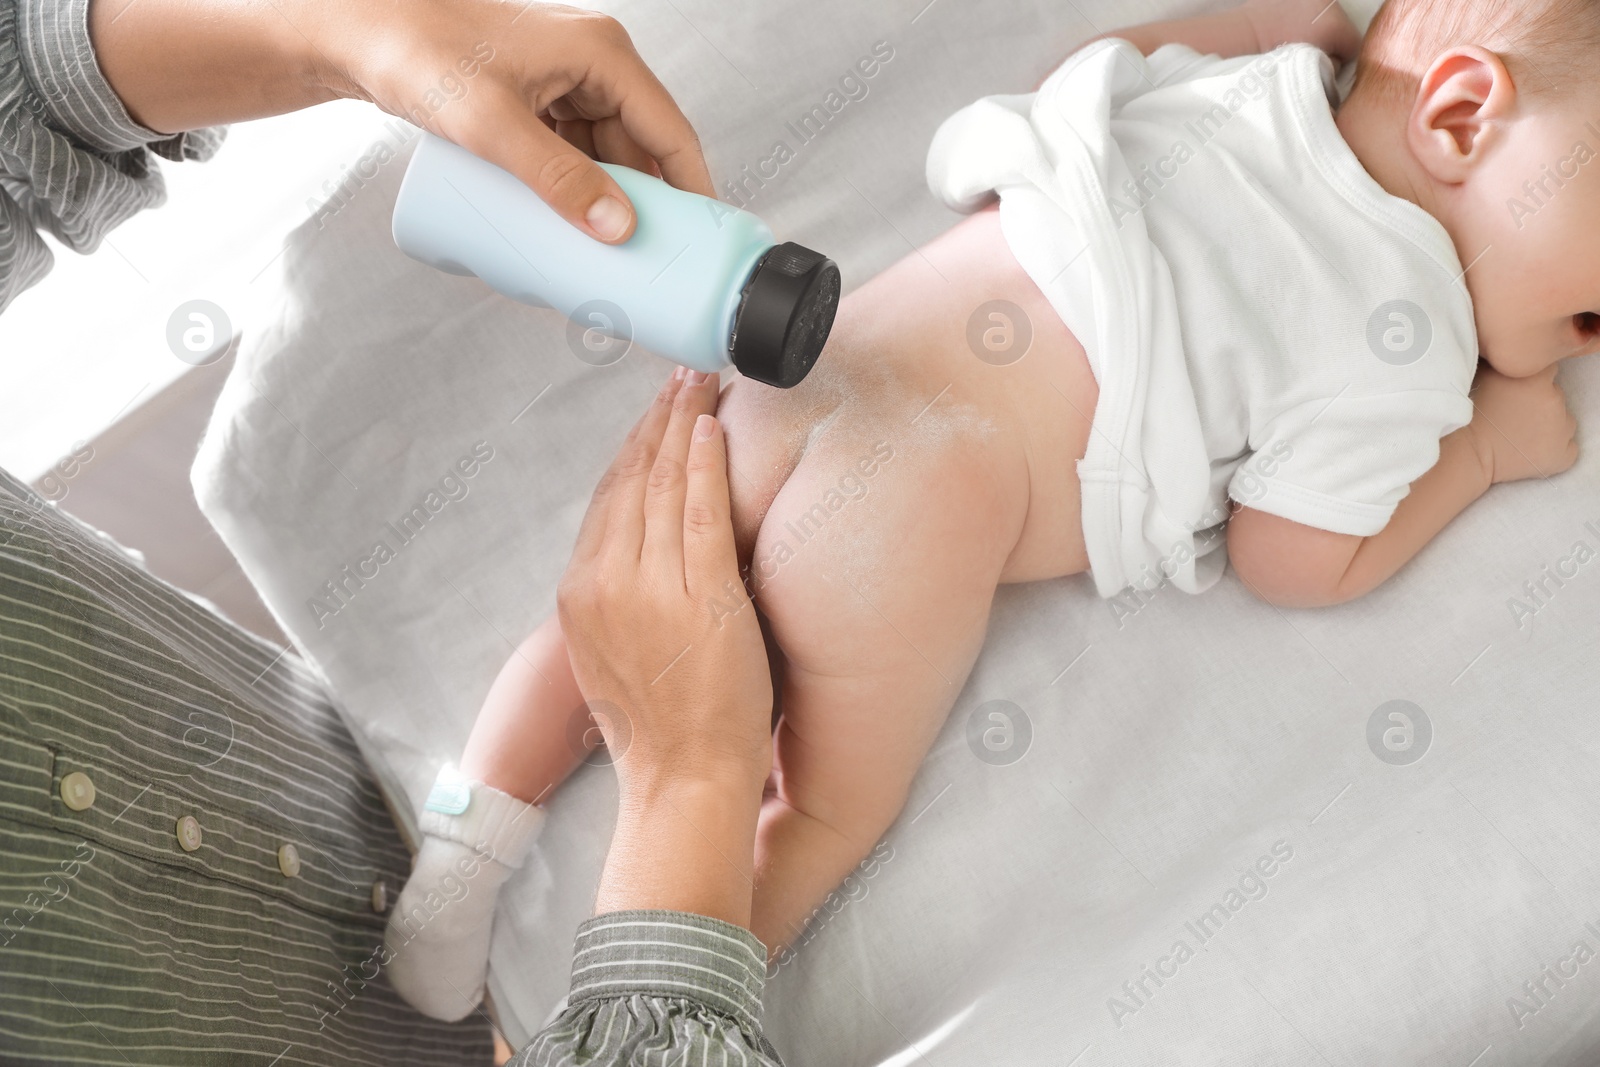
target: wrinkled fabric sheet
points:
(1218, 845)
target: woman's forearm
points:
(685, 846)
(186, 64)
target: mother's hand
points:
(562, 84)
(533, 87)
(665, 646)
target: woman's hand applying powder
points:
(535, 88)
(661, 632)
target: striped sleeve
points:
(72, 161)
(676, 987)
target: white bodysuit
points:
(1265, 322)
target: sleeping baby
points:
(1201, 309)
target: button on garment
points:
(181, 730)
(77, 791)
(149, 953)
(289, 861)
(188, 833)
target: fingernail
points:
(608, 218)
(703, 427)
(679, 373)
(695, 378)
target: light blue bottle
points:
(699, 282)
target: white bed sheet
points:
(1172, 748)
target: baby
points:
(1213, 308)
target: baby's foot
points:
(437, 943)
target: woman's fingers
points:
(668, 484)
(511, 135)
(615, 519)
(551, 70)
(710, 558)
(579, 133)
(597, 78)
(622, 85)
(612, 144)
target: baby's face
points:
(1534, 206)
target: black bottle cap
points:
(785, 315)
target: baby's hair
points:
(1546, 44)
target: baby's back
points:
(1326, 330)
(1265, 323)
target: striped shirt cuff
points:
(58, 59)
(671, 954)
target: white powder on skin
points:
(849, 404)
(860, 539)
(947, 422)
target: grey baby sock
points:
(437, 943)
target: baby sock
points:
(437, 941)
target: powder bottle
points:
(699, 282)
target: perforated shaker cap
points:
(785, 314)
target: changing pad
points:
(1210, 831)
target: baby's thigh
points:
(886, 521)
(875, 567)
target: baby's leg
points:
(479, 824)
(875, 567)
(877, 577)
(532, 730)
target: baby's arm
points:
(1254, 27)
(1521, 429)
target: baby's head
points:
(1487, 114)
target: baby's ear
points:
(1462, 103)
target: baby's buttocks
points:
(953, 346)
